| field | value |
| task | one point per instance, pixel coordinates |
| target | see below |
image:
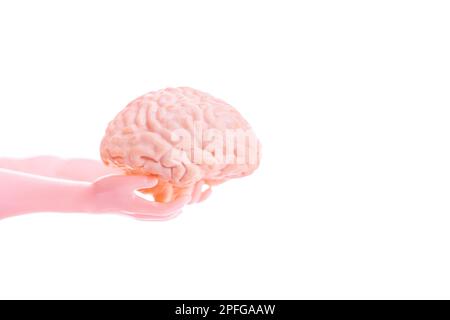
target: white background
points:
(349, 98)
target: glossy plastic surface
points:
(51, 184)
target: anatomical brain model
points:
(184, 137)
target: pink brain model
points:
(183, 137)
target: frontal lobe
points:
(182, 136)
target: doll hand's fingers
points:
(149, 217)
(121, 192)
(155, 210)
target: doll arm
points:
(50, 166)
(25, 193)
(22, 193)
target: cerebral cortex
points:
(184, 137)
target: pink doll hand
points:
(51, 184)
(119, 193)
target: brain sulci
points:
(182, 136)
